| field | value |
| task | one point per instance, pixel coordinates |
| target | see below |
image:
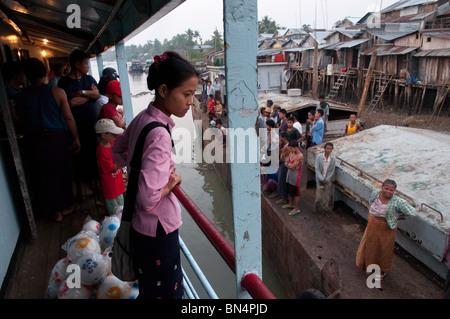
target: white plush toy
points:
(93, 268)
(108, 231)
(57, 276)
(85, 242)
(92, 225)
(113, 288)
(83, 292)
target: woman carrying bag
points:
(157, 214)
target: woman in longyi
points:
(378, 242)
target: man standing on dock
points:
(318, 129)
(325, 107)
(324, 166)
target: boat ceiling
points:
(103, 23)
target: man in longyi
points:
(378, 242)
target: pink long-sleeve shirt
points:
(157, 165)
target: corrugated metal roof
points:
(320, 47)
(351, 33)
(389, 36)
(265, 52)
(418, 17)
(347, 44)
(406, 3)
(389, 50)
(444, 34)
(433, 53)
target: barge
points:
(417, 159)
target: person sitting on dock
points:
(352, 127)
(324, 165)
(378, 242)
(318, 129)
(294, 163)
(325, 107)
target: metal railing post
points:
(100, 65)
(241, 38)
(124, 81)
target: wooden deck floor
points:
(34, 260)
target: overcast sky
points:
(207, 15)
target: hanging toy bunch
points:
(85, 273)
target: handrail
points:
(251, 282)
(219, 242)
(255, 287)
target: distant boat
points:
(147, 64)
(136, 66)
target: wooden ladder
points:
(384, 84)
(337, 85)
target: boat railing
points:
(250, 282)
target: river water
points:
(202, 184)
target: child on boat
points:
(110, 175)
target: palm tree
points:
(267, 25)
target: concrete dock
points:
(318, 251)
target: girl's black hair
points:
(171, 71)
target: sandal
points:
(287, 206)
(293, 212)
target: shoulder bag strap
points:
(135, 169)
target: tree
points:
(267, 25)
(216, 41)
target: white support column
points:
(100, 65)
(241, 38)
(124, 81)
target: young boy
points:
(109, 110)
(352, 127)
(110, 175)
(211, 105)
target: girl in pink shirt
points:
(157, 214)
